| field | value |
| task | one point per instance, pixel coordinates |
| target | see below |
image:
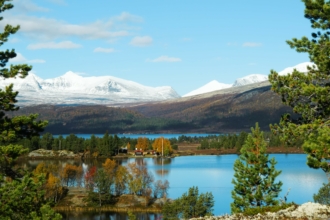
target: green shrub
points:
(264, 209)
(323, 196)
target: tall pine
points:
(254, 177)
(21, 194)
(308, 93)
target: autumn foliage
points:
(54, 190)
(71, 173)
(162, 146)
(142, 143)
(89, 177)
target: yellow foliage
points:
(95, 154)
(142, 143)
(41, 169)
(53, 188)
(121, 178)
(46, 169)
(70, 173)
(109, 166)
(162, 145)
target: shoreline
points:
(184, 151)
(76, 201)
(105, 208)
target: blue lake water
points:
(215, 173)
(150, 136)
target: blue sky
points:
(183, 44)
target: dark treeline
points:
(231, 141)
(109, 145)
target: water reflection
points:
(162, 166)
(108, 215)
(162, 161)
(140, 161)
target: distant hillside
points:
(222, 111)
(228, 110)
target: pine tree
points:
(308, 93)
(189, 205)
(254, 177)
(21, 196)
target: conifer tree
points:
(191, 204)
(308, 93)
(254, 177)
(21, 196)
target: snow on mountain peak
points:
(253, 78)
(71, 75)
(72, 88)
(209, 87)
(301, 67)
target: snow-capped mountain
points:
(75, 89)
(215, 85)
(253, 78)
(301, 67)
(211, 86)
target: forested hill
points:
(221, 112)
(218, 112)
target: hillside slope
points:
(229, 110)
(222, 111)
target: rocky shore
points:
(42, 153)
(306, 211)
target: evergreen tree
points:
(254, 177)
(189, 205)
(21, 196)
(308, 93)
(323, 195)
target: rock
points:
(307, 210)
(51, 153)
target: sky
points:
(183, 44)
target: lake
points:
(215, 173)
(150, 136)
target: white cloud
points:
(53, 45)
(42, 28)
(127, 17)
(141, 41)
(252, 44)
(24, 6)
(20, 59)
(14, 40)
(59, 2)
(165, 59)
(103, 50)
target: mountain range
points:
(73, 89)
(228, 110)
(253, 78)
